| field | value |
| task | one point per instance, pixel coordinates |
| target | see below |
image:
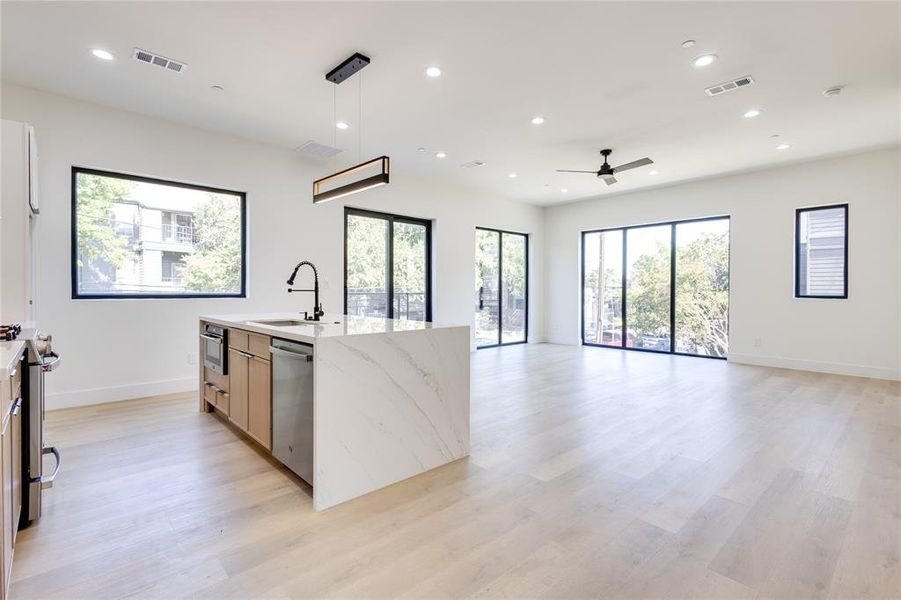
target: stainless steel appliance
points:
(215, 348)
(41, 360)
(292, 406)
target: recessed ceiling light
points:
(653, 172)
(688, 43)
(420, 149)
(433, 72)
(511, 175)
(752, 113)
(537, 120)
(775, 135)
(705, 59)
(563, 190)
(102, 54)
(341, 125)
(440, 155)
(783, 146)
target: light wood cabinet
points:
(244, 395)
(247, 401)
(258, 345)
(238, 339)
(15, 429)
(10, 469)
(259, 413)
(6, 493)
(238, 377)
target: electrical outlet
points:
(758, 342)
(192, 358)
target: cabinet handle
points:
(17, 406)
(215, 340)
(245, 354)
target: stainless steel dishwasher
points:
(292, 406)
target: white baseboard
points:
(816, 366)
(114, 393)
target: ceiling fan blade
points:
(608, 179)
(571, 171)
(635, 163)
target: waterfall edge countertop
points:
(391, 398)
(330, 325)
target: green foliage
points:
(98, 241)
(409, 258)
(215, 264)
(367, 241)
(648, 293)
(702, 294)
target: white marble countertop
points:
(9, 351)
(330, 325)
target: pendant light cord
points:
(335, 125)
(359, 117)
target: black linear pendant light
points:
(350, 67)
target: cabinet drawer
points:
(238, 339)
(258, 345)
(222, 401)
(209, 393)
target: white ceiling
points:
(602, 74)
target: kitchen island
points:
(390, 398)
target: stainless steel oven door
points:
(214, 351)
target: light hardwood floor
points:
(594, 473)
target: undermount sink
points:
(284, 322)
(292, 322)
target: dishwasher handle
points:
(289, 354)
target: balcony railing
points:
(181, 234)
(407, 305)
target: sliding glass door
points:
(501, 287)
(387, 266)
(659, 288)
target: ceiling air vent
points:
(730, 86)
(473, 164)
(314, 149)
(160, 61)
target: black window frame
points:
(392, 219)
(624, 335)
(76, 295)
(797, 286)
(500, 278)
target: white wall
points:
(117, 349)
(858, 336)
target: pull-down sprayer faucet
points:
(317, 307)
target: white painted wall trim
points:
(115, 393)
(815, 365)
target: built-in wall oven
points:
(215, 348)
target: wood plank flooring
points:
(594, 473)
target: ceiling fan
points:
(606, 172)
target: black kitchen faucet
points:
(317, 307)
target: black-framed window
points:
(140, 237)
(387, 265)
(821, 252)
(660, 287)
(501, 288)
